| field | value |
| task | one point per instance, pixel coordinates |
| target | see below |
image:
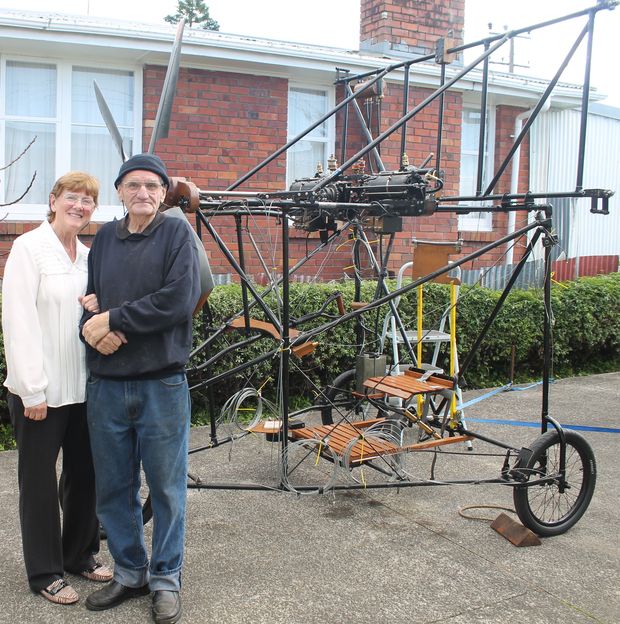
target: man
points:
(144, 271)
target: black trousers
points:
(50, 550)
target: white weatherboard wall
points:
(554, 143)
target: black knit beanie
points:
(148, 162)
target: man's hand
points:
(95, 328)
(36, 412)
(111, 342)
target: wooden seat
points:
(339, 438)
(261, 326)
(269, 329)
(408, 385)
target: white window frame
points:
(480, 221)
(329, 139)
(24, 211)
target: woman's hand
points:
(36, 412)
(95, 328)
(89, 302)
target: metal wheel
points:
(339, 401)
(552, 508)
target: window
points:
(30, 111)
(470, 131)
(305, 107)
(55, 102)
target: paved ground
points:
(375, 555)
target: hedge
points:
(585, 316)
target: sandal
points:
(98, 572)
(60, 592)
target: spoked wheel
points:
(338, 397)
(339, 401)
(552, 508)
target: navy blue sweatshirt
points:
(150, 284)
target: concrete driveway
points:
(374, 556)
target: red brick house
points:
(239, 99)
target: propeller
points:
(106, 113)
(160, 131)
(162, 120)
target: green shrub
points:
(7, 441)
(586, 319)
(585, 315)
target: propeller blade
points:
(162, 120)
(106, 113)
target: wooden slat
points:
(446, 383)
(266, 426)
(413, 384)
(340, 435)
(402, 387)
(365, 450)
(377, 385)
(305, 348)
(300, 350)
(418, 446)
(261, 326)
(338, 438)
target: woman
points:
(42, 298)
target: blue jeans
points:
(141, 421)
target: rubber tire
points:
(340, 385)
(580, 473)
(147, 510)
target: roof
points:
(105, 40)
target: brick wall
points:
(9, 230)
(224, 123)
(421, 141)
(407, 26)
(253, 112)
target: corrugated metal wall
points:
(553, 167)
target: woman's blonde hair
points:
(74, 181)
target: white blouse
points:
(45, 358)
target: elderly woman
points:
(42, 298)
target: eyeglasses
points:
(134, 187)
(86, 202)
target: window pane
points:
(30, 89)
(117, 89)
(40, 158)
(303, 158)
(92, 148)
(474, 221)
(93, 151)
(469, 164)
(306, 106)
(470, 130)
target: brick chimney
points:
(409, 27)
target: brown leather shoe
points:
(112, 595)
(166, 606)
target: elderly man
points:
(144, 271)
